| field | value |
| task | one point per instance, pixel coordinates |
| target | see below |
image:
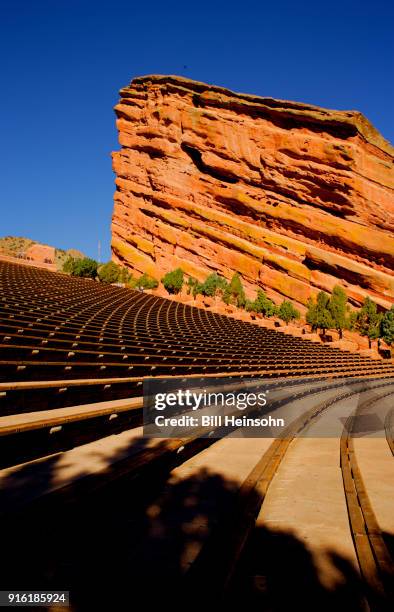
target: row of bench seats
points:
(92, 342)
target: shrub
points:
(68, 265)
(249, 305)
(213, 285)
(146, 282)
(124, 275)
(287, 312)
(85, 267)
(109, 273)
(191, 283)
(173, 281)
(197, 289)
(264, 305)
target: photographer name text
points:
(219, 420)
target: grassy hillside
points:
(16, 246)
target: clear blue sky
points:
(63, 62)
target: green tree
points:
(318, 314)
(214, 285)
(352, 321)
(262, 304)
(85, 267)
(146, 282)
(324, 318)
(387, 327)
(338, 309)
(109, 272)
(249, 305)
(124, 275)
(68, 265)
(287, 312)
(173, 281)
(191, 283)
(234, 293)
(311, 314)
(369, 320)
(197, 289)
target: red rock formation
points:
(41, 253)
(294, 197)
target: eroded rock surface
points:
(294, 197)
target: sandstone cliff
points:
(294, 197)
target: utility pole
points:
(99, 251)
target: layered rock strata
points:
(294, 197)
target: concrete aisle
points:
(306, 496)
(376, 464)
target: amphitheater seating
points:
(66, 341)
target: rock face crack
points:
(294, 197)
(196, 157)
